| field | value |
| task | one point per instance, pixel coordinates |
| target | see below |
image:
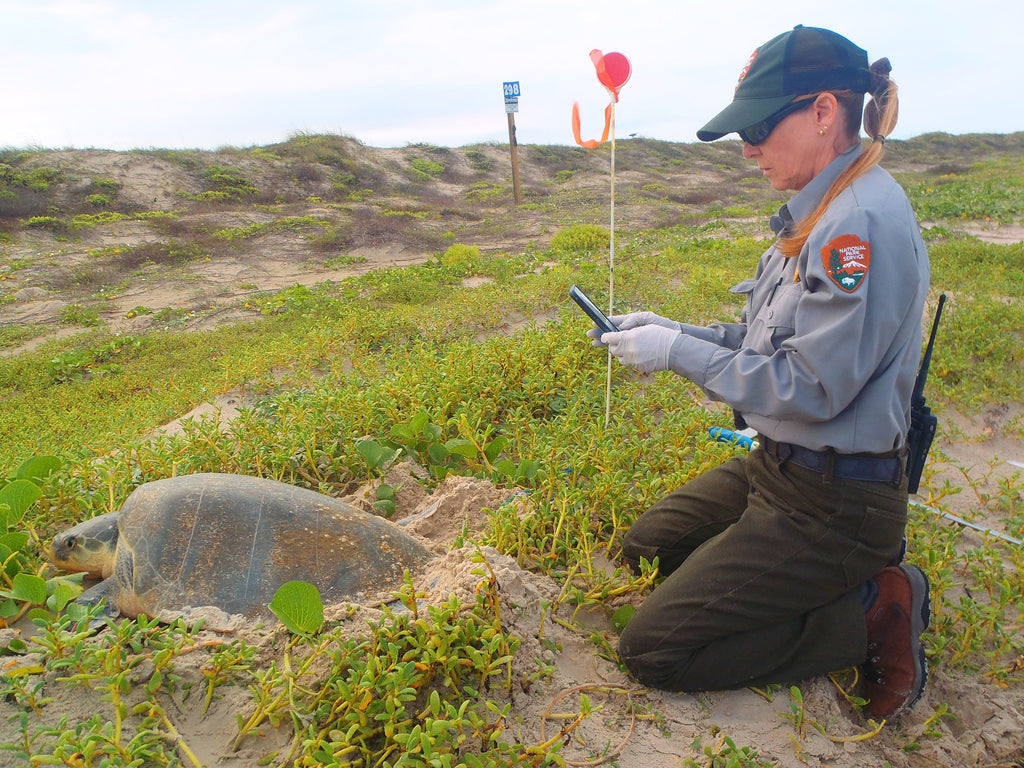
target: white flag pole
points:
(611, 274)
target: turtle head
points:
(88, 546)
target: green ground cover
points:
(495, 381)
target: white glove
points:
(637, 319)
(633, 320)
(645, 348)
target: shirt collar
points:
(807, 199)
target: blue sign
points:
(511, 96)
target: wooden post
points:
(514, 150)
(511, 89)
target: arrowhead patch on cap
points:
(746, 68)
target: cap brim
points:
(740, 114)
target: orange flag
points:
(613, 71)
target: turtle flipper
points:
(102, 591)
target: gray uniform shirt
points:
(827, 350)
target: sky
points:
(137, 74)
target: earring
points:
(821, 131)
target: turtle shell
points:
(231, 541)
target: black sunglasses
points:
(758, 132)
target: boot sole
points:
(920, 617)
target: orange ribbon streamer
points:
(590, 143)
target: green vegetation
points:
(342, 379)
(724, 754)
(73, 314)
(460, 254)
(21, 587)
(46, 222)
(339, 155)
(37, 178)
(290, 223)
(424, 170)
(226, 184)
(478, 161)
(582, 239)
(982, 335)
(12, 336)
(35, 191)
(986, 191)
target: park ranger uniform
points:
(766, 555)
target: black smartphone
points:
(600, 318)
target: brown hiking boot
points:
(895, 671)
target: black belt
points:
(874, 468)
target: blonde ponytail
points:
(879, 120)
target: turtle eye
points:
(71, 542)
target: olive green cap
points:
(805, 60)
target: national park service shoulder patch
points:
(846, 259)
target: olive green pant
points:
(763, 561)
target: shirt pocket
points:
(779, 316)
(746, 289)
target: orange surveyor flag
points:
(613, 71)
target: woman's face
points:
(796, 151)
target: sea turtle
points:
(231, 541)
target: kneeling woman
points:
(785, 563)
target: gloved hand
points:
(633, 320)
(645, 347)
(637, 319)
